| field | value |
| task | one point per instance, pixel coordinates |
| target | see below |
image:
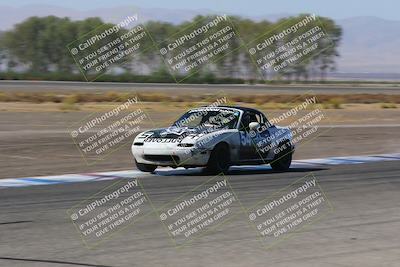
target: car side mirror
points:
(253, 126)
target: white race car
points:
(215, 138)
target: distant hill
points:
(370, 44)
(12, 15)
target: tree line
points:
(38, 45)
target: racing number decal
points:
(245, 139)
(247, 149)
(254, 145)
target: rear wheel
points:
(145, 167)
(283, 159)
(219, 160)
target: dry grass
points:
(266, 100)
(70, 103)
(388, 105)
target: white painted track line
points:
(111, 175)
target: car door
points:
(262, 137)
(248, 150)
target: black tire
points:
(220, 160)
(145, 167)
(283, 159)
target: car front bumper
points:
(167, 154)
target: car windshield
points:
(209, 118)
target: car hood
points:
(174, 132)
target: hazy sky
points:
(387, 9)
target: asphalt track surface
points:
(54, 86)
(361, 230)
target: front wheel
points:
(283, 159)
(219, 160)
(145, 167)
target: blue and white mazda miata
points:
(215, 138)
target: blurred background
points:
(34, 36)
